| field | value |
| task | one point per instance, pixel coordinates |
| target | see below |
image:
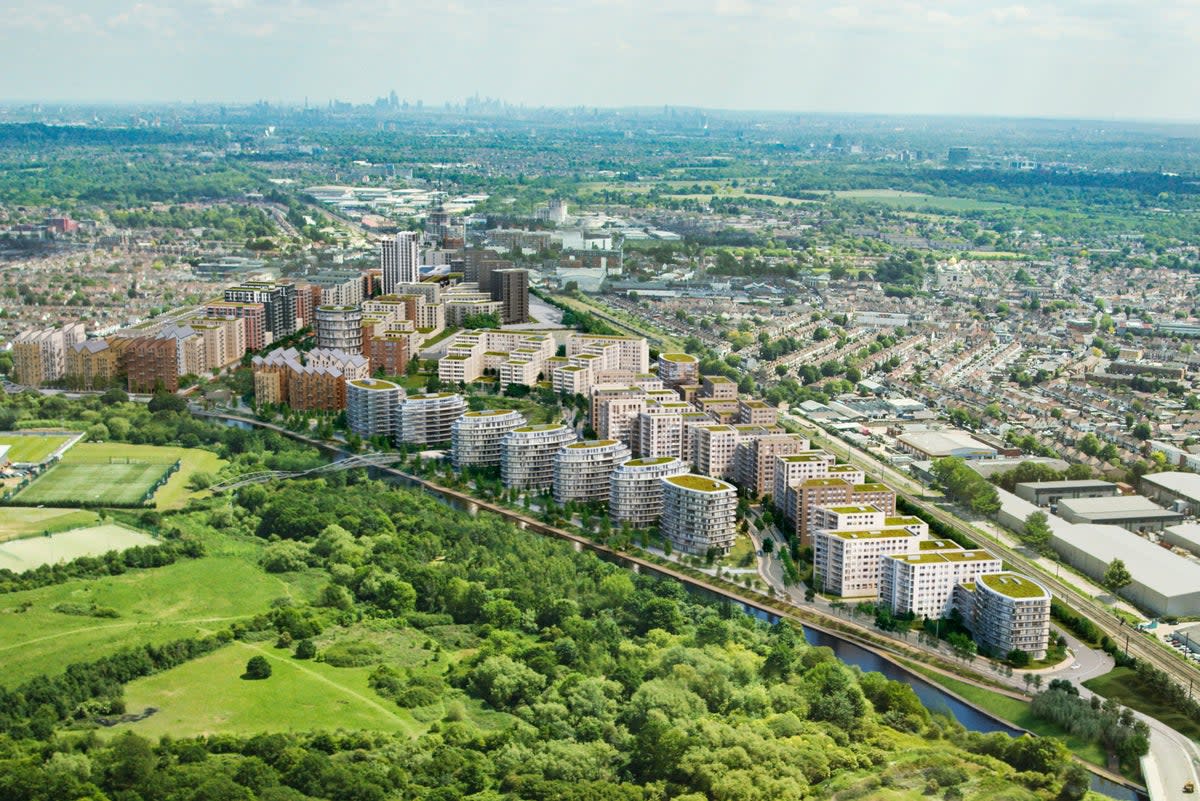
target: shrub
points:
(257, 668)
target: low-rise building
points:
(1049, 493)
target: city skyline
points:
(1061, 60)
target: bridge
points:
(349, 463)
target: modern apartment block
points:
(511, 289)
(40, 356)
(636, 490)
(582, 470)
(373, 407)
(517, 357)
(615, 409)
(660, 430)
(1006, 611)
(699, 513)
(476, 436)
(619, 353)
(253, 317)
(312, 381)
(527, 454)
(847, 563)
(150, 364)
(923, 583)
(91, 364)
(713, 447)
(676, 369)
(339, 328)
(756, 456)
(389, 350)
(718, 387)
(753, 412)
(277, 299)
(428, 418)
(849, 517)
(400, 260)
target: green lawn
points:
(1122, 685)
(188, 598)
(742, 553)
(32, 448)
(173, 495)
(67, 546)
(917, 200)
(1016, 712)
(208, 696)
(17, 522)
(94, 484)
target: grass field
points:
(1122, 685)
(32, 448)
(20, 521)
(1017, 712)
(188, 598)
(75, 483)
(21, 555)
(94, 484)
(207, 696)
(917, 200)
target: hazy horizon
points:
(1072, 59)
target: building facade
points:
(527, 455)
(476, 436)
(636, 490)
(373, 407)
(1006, 612)
(582, 470)
(428, 418)
(699, 514)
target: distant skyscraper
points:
(400, 261)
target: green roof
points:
(871, 487)
(539, 427)
(940, 545)
(851, 510)
(593, 443)
(823, 482)
(904, 521)
(685, 358)
(374, 383)
(699, 483)
(718, 379)
(651, 460)
(1013, 585)
(489, 412)
(875, 534)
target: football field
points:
(116, 484)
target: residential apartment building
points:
(340, 328)
(253, 317)
(150, 364)
(615, 409)
(373, 407)
(676, 369)
(1005, 612)
(516, 357)
(699, 514)
(620, 353)
(307, 382)
(476, 436)
(756, 456)
(636, 490)
(40, 356)
(753, 412)
(277, 299)
(428, 418)
(582, 470)
(511, 289)
(91, 364)
(847, 563)
(527, 455)
(400, 260)
(923, 583)
(713, 447)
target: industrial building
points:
(1049, 493)
(1164, 583)
(1174, 490)
(942, 443)
(1132, 512)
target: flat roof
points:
(593, 443)
(1056, 485)
(540, 427)
(490, 412)
(1185, 484)
(1014, 585)
(940, 545)
(944, 443)
(872, 534)
(1132, 505)
(685, 358)
(904, 520)
(374, 383)
(945, 557)
(699, 483)
(651, 460)
(869, 487)
(853, 509)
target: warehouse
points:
(1163, 583)
(1132, 512)
(1174, 490)
(943, 443)
(1185, 536)
(1048, 493)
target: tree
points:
(1037, 531)
(305, 649)
(1116, 577)
(257, 668)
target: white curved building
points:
(1006, 611)
(635, 495)
(699, 513)
(675, 369)
(339, 327)
(373, 406)
(475, 437)
(582, 469)
(428, 418)
(527, 454)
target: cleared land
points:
(122, 480)
(32, 448)
(18, 521)
(189, 598)
(917, 200)
(21, 555)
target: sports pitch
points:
(32, 448)
(119, 484)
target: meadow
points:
(26, 554)
(33, 448)
(189, 598)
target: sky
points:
(1101, 59)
